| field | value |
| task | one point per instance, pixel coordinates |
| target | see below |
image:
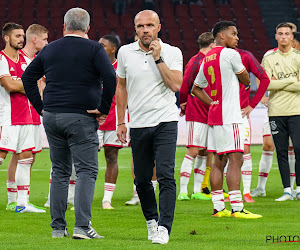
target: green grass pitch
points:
(125, 228)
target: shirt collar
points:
(73, 35)
(137, 47)
(287, 53)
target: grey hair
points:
(77, 19)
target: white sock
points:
(134, 190)
(287, 190)
(236, 201)
(247, 173)
(225, 169)
(185, 172)
(292, 168)
(28, 192)
(71, 193)
(199, 172)
(218, 200)
(154, 184)
(11, 191)
(23, 180)
(265, 166)
(109, 189)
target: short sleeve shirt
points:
(150, 101)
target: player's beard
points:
(147, 44)
(16, 46)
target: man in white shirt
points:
(149, 72)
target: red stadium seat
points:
(196, 11)
(181, 11)
(225, 12)
(174, 34)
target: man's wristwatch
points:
(160, 60)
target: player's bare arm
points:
(12, 85)
(201, 95)
(121, 102)
(244, 78)
(42, 86)
(171, 78)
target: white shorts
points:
(196, 134)
(17, 138)
(37, 139)
(109, 138)
(266, 129)
(247, 130)
(228, 138)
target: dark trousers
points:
(281, 128)
(155, 145)
(72, 138)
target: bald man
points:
(149, 73)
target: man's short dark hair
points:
(284, 25)
(297, 36)
(205, 39)
(220, 26)
(113, 40)
(9, 27)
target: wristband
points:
(120, 124)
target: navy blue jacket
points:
(75, 70)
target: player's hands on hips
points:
(156, 48)
(264, 100)
(121, 133)
(246, 111)
(182, 107)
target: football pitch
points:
(125, 227)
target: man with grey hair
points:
(74, 104)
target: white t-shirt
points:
(150, 101)
(219, 70)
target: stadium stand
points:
(182, 22)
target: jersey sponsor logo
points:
(15, 78)
(282, 75)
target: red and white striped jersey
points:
(219, 69)
(14, 107)
(36, 119)
(111, 120)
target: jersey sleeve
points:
(200, 79)
(266, 65)
(258, 71)
(177, 63)
(236, 63)
(4, 70)
(121, 71)
(185, 88)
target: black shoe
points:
(205, 190)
